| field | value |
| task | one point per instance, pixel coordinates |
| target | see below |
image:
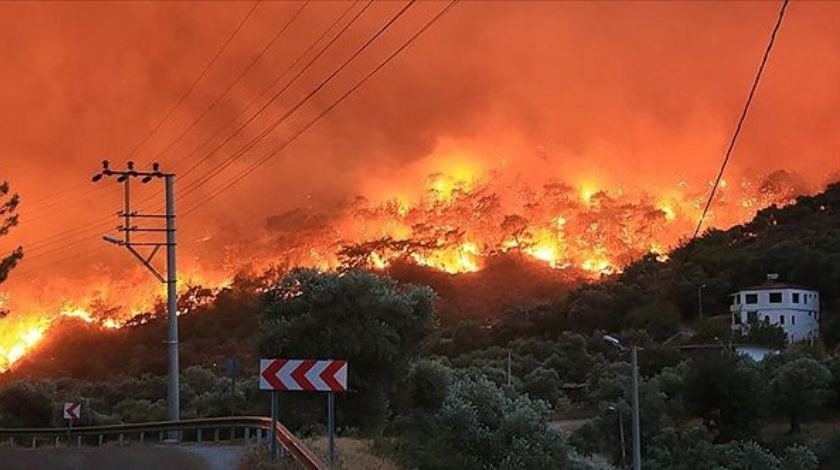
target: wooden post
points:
(101, 439)
(216, 434)
(34, 438)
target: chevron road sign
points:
(72, 411)
(305, 375)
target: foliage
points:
(761, 334)
(799, 387)
(8, 219)
(27, 404)
(729, 393)
(481, 426)
(799, 457)
(371, 321)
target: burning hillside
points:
(457, 225)
(507, 142)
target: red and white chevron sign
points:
(72, 411)
(306, 375)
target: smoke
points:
(634, 98)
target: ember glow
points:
(578, 135)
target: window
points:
(775, 297)
(751, 298)
(752, 317)
(793, 319)
(781, 319)
(796, 297)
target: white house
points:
(795, 308)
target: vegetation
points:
(8, 219)
(493, 394)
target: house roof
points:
(777, 286)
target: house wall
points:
(801, 319)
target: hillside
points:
(800, 241)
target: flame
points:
(28, 339)
(460, 219)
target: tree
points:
(27, 404)
(762, 334)
(481, 426)
(799, 387)
(729, 393)
(377, 325)
(8, 219)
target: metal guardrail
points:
(254, 428)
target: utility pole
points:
(637, 436)
(700, 300)
(634, 363)
(171, 279)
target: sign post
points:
(72, 412)
(331, 423)
(273, 424)
(233, 368)
(304, 375)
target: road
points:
(134, 457)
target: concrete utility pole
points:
(634, 363)
(171, 279)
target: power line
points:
(227, 90)
(190, 188)
(267, 89)
(160, 123)
(276, 96)
(62, 236)
(195, 82)
(326, 111)
(741, 119)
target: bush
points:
(479, 426)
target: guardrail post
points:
(101, 439)
(160, 436)
(198, 435)
(232, 433)
(121, 438)
(216, 434)
(78, 441)
(12, 441)
(142, 435)
(34, 438)
(56, 440)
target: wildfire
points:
(27, 339)
(461, 220)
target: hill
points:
(800, 241)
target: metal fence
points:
(247, 428)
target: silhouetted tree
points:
(377, 325)
(8, 219)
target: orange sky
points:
(638, 94)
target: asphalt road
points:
(135, 457)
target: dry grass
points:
(351, 454)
